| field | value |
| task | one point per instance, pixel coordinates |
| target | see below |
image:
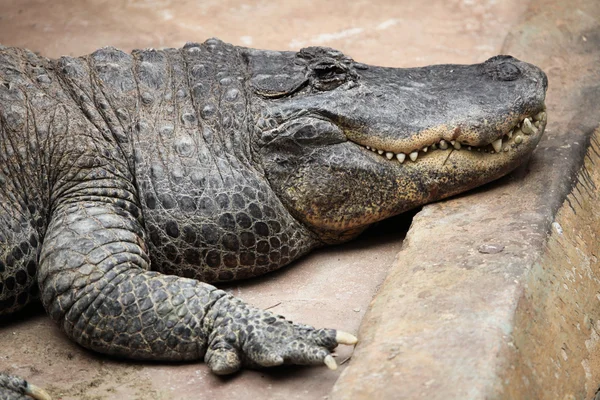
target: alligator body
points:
(129, 181)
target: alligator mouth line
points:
(527, 126)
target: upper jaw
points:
(510, 139)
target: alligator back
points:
(166, 132)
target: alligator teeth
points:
(528, 128)
(541, 116)
(518, 132)
(497, 144)
(518, 139)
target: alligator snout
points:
(507, 68)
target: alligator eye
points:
(328, 76)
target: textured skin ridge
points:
(13, 388)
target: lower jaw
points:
(450, 172)
(440, 174)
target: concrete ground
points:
(443, 343)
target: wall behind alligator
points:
(557, 327)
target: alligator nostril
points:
(505, 71)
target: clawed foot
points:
(14, 388)
(249, 337)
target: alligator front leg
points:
(95, 282)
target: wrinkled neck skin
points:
(345, 145)
(221, 98)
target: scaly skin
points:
(14, 388)
(128, 181)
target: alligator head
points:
(345, 144)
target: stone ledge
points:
(454, 323)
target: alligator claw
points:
(250, 337)
(330, 362)
(345, 338)
(36, 392)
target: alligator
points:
(129, 182)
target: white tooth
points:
(518, 139)
(497, 144)
(373, 149)
(456, 145)
(413, 156)
(368, 147)
(506, 149)
(389, 155)
(380, 151)
(537, 124)
(509, 134)
(469, 148)
(452, 142)
(541, 116)
(401, 157)
(518, 132)
(433, 146)
(425, 149)
(479, 150)
(528, 128)
(443, 144)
